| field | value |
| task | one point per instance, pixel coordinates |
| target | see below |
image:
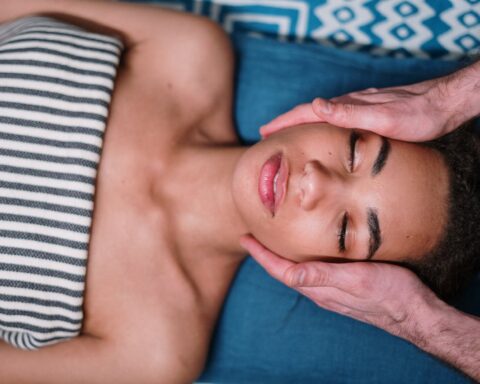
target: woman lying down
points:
(174, 192)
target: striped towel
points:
(56, 82)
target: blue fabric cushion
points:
(268, 333)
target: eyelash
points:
(342, 232)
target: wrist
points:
(425, 321)
(461, 95)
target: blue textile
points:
(268, 333)
(447, 29)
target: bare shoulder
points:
(192, 69)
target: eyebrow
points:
(374, 229)
(381, 157)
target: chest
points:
(135, 274)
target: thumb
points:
(347, 115)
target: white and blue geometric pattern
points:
(447, 29)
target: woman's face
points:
(321, 192)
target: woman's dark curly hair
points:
(456, 257)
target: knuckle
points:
(348, 109)
(343, 112)
(318, 277)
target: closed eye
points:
(341, 234)
(354, 136)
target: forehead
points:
(412, 200)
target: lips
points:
(272, 183)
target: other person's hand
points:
(417, 112)
(387, 296)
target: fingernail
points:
(326, 107)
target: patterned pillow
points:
(447, 29)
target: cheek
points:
(294, 239)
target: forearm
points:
(448, 334)
(461, 91)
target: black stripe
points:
(46, 206)
(40, 287)
(54, 224)
(40, 316)
(81, 35)
(58, 53)
(47, 190)
(53, 143)
(41, 302)
(46, 64)
(51, 126)
(33, 328)
(21, 39)
(43, 239)
(37, 341)
(48, 158)
(53, 111)
(41, 272)
(54, 95)
(56, 80)
(43, 255)
(47, 174)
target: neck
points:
(200, 185)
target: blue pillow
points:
(268, 333)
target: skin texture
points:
(323, 185)
(388, 297)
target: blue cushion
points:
(268, 333)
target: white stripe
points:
(37, 229)
(44, 117)
(56, 103)
(58, 59)
(67, 39)
(43, 263)
(55, 73)
(80, 254)
(40, 279)
(47, 198)
(41, 309)
(50, 150)
(15, 209)
(48, 166)
(56, 88)
(47, 182)
(81, 52)
(50, 134)
(40, 295)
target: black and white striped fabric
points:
(56, 82)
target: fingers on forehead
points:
(299, 115)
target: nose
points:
(317, 184)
